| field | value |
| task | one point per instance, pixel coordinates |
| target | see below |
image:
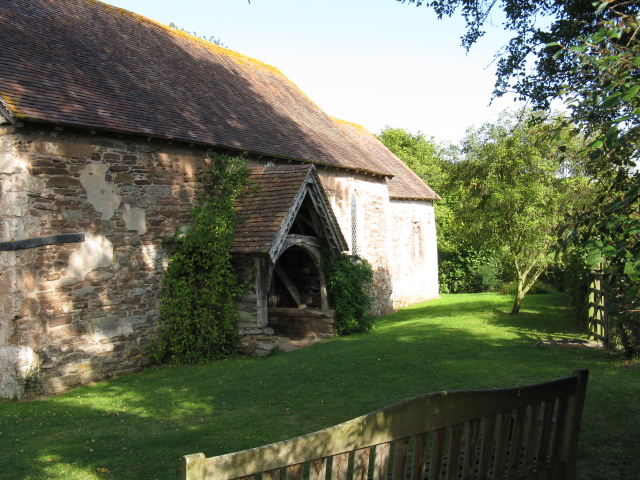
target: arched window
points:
(417, 242)
(355, 250)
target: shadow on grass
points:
(542, 317)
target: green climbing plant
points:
(349, 280)
(197, 314)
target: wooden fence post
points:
(598, 321)
(194, 467)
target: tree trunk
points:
(523, 285)
(517, 302)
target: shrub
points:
(349, 279)
(197, 314)
(468, 271)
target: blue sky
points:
(371, 62)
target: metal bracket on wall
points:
(41, 241)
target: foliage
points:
(468, 271)
(197, 314)
(349, 279)
(576, 283)
(568, 21)
(604, 98)
(516, 184)
(423, 155)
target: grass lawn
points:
(138, 426)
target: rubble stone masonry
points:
(78, 312)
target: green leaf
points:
(632, 293)
(602, 6)
(592, 244)
(631, 271)
(594, 257)
(632, 92)
(611, 100)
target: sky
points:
(375, 63)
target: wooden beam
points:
(290, 286)
(293, 240)
(41, 241)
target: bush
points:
(349, 279)
(510, 288)
(197, 314)
(468, 272)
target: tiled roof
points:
(268, 202)
(85, 63)
(405, 183)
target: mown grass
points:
(138, 426)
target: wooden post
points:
(293, 291)
(194, 467)
(598, 321)
(575, 408)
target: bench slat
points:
(437, 454)
(455, 447)
(340, 467)
(400, 457)
(294, 472)
(488, 436)
(318, 469)
(533, 424)
(361, 464)
(545, 435)
(471, 451)
(517, 436)
(420, 451)
(381, 461)
(502, 444)
(271, 474)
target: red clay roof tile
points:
(262, 210)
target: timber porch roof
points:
(265, 212)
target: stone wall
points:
(373, 224)
(85, 311)
(414, 265)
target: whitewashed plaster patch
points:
(102, 195)
(11, 163)
(95, 252)
(135, 219)
(16, 363)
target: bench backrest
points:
(524, 432)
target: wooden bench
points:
(528, 432)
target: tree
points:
(610, 114)
(568, 22)
(459, 268)
(517, 182)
